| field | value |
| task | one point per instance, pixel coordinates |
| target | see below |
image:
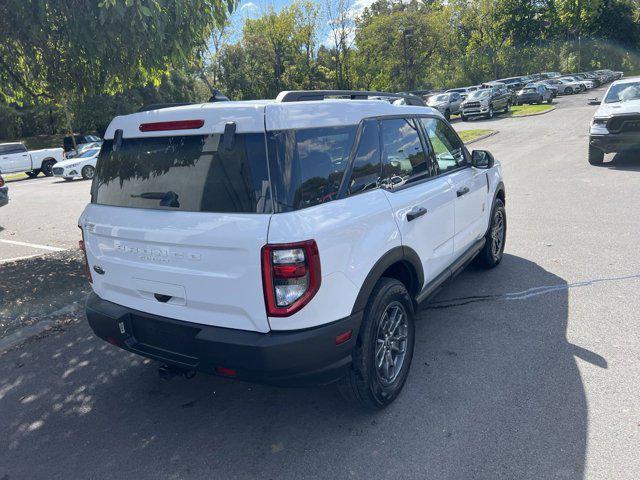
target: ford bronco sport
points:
(287, 241)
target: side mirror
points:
(482, 159)
(593, 101)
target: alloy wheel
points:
(497, 233)
(391, 342)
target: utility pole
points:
(408, 62)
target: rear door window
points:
(9, 149)
(403, 156)
(307, 165)
(196, 173)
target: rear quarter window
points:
(307, 165)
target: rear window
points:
(307, 165)
(186, 173)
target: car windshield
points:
(438, 98)
(480, 94)
(623, 92)
(89, 153)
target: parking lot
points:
(529, 370)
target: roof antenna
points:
(218, 96)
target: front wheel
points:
(464, 118)
(596, 156)
(507, 107)
(568, 91)
(490, 114)
(493, 250)
(384, 349)
(88, 171)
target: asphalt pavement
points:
(527, 371)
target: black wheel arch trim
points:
(499, 188)
(397, 254)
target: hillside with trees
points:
(64, 63)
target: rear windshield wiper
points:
(167, 199)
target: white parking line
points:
(34, 245)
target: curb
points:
(482, 137)
(25, 333)
(534, 114)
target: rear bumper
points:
(301, 357)
(4, 196)
(616, 142)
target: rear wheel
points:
(507, 107)
(550, 100)
(33, 173)
(384, 349)
(493, 250)
(568, 91)
(88, 171)
(464, 118)
(47, 166)
(596, 156)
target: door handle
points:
(462, 191)
(415, 212)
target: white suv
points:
(287, 241)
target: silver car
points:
(447, 103)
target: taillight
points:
(290, 276)
(83, 248)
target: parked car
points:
(616, 124)
(568, 87)
(67, 142)
(513, 83)
(548, 75)
(447, 103)
(82, 166)
(585, 84)
(463, 91)
(590, 76)
(486, 102)
(4, 193)
(534, 94)
(248, 255)
(15, 158)
(82, 148)
(552, 88)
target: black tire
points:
(365, 384)
(490, 114)
(33, 173)
(507, 107)
(47, 167)
(492, 252)
(596, 156)
(550, 101)
(88, 172)
(568, 91)
(464, 118)
(447, 114)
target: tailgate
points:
(193, 266)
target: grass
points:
(468, 135)
(520, 110)
(14, 176)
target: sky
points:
(253, 8)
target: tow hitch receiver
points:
(167, 372)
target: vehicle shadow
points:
(494, 392)
(626, 161)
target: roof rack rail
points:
(309, 95)
(160, 106)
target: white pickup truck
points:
(15, 158)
